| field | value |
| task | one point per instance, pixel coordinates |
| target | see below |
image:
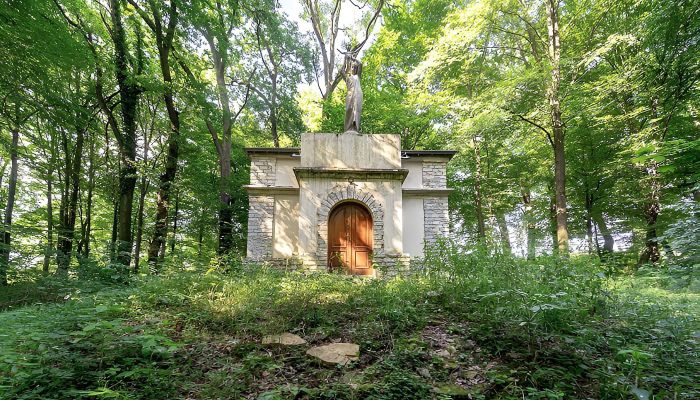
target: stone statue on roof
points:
(353, 100)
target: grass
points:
(471, 326)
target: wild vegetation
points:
(469, 326)
(572, 266)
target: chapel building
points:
(351, 202)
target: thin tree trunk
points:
(223, 146)
(273, 126)
(225, 213)
(9, 206)
(115, 223)
(84, 245)
(177, 211)
(200, 239)
(503, 232)
(143, 189)
(72, 182)
(608, 240)
(164, 40)
(589, 233)
(557, 126)
(478, 203)
(49, 221)
(553, 225)
(529, 220)
(651, 253)
(589, 219)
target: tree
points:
(215, 23)
(325, 20)
(280, 61)
(163, 21)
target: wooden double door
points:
(350, 239)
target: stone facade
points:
(293, 192)
(261, 214)
(435, 219)
(434, 174)
(262, 171)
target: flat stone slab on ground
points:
(287, 339)
(336, 353)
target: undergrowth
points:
(467, 326)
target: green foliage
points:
(470, 324)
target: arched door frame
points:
(357, 244)
(341, 194)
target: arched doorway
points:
(350, 239)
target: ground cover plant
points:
(471, 326)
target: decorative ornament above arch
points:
(349, 193)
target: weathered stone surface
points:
(286, 338)
(436, 219)
(262, 171)
(260, 220)
(434, 174)
(336, 353)
(345, 160)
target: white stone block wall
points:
(262, 171)
(260, 224)
(436, 219)
(434, 174)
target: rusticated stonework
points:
(292, 192)
(260, 219)
(262, 171)
(341, 194)
(434, 175)
(436, 219)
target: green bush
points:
(469, 324)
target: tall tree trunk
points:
(164, 41)
(557, 126)
(478, 201)
(608, 240)
(48, 252)
(175, 221)
(225, 212)
(652, 207)
(49, 221)
(589, 219)
(143, 189)
(9, 206)
(84, 244)
(273, 127)
(223, 144)
(66, 231)
(115, 223)
(553, 224)
(503, 232)
(529, 220)
(200, 239)
(129, 94)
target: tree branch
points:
(535, 124)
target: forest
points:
(572, 266)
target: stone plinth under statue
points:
(346, 201)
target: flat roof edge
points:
(297, 150)
(272, 150)
(418, 153)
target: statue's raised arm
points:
(353, 100)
